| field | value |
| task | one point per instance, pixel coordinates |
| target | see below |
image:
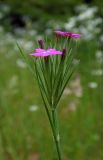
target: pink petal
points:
(76, 35)
(59, 33)
(73, 35)
(40, 54)
(44, 53)
(54, 51)
(39, 50)
(67, 34)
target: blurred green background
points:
(24, 128)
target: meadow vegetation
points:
(24, 127)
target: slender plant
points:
(53, 67)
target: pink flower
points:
(67, 34)
(60, 33)
(72, 35)
(44, 53)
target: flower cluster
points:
(67, 34)
(53, 68)
(41, 52)
(53, 76)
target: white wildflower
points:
(20, 31)
(72, 106)
(89, 13)
(67, 91)
(101, 38)
(92, 85)
(33, 108)
(71, 23)
(96, 21)
(38, 37)
(98, 72)
(76, 87)
(81, 8)
(13, 82)
(28, 45)
(21, 41)
(20, 63)
(99, 54)
(76, 61)
(48, 31)
(5, 8)
(32, 32)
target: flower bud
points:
(41, 43)
(63, 54)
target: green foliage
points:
(24, 133)
(37, 8)
(53, 73)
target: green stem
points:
(52, 119)
(56, 132)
